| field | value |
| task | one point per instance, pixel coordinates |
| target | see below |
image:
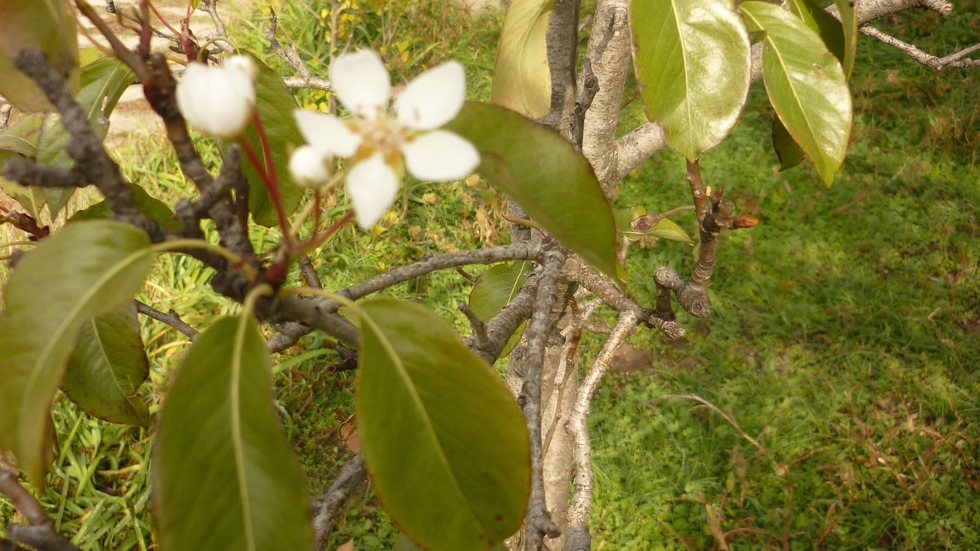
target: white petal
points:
(439, 156)
(433, 98)
(362, 82)
(244, 64)
(372, 186)
(328, 134)
(218, 101)
(308, 167)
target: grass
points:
(843, 339)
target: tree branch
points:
(954, 60)
(84, 146)
(351, 475)
(430, 263)
(580, 272)
(28, 173)
(306, 79)
(610, 61)
(577, 537)
(171, 319)
(40, 534)
(538, 521)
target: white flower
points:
(218, 100)
(378, 141)
(308, 168)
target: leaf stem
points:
(269, 179)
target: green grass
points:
(843, 337)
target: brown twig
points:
(172, 319)
(39, 533)
(351, 475)
(537, 520)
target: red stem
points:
(153, 8)
(270, 186)
(320, 239)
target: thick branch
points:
(538, 521)
(19, 169)
(562, 41)
(610, 60)
(577, 270)
(84, 146)
(577, 537)
(343, 486)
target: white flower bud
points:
(218, 101)
(308, 167)
(244, 64)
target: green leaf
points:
(497, 288)
(521, 77)
(544, 174)
(789, 152)
(44, 24)
(840, 38)
(150, 206)
(275, 105)
(107, 368)
(224, 475)
(849, 22)
(85, 270)
(692, 63)
(665, 228)
(20, 139)
(443, 440)
(103, 83)
(806, 85)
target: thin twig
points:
(172, 319)
(351, 475)
(306, 79)
(954, 60)
(577, 530)
(40, 533)
(127, 56)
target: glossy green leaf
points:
(692, 63)
(85, 270)
(103, 83)
(443, 439)
(665, 228)
(849, 22)
(224, 474)
(789, 152)
(497, 288)
(840, 35)
(521, 77)
(275, 105)
(150, 206)
(44, 24)
(806, 85)
(107, 368)
(544, 174)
